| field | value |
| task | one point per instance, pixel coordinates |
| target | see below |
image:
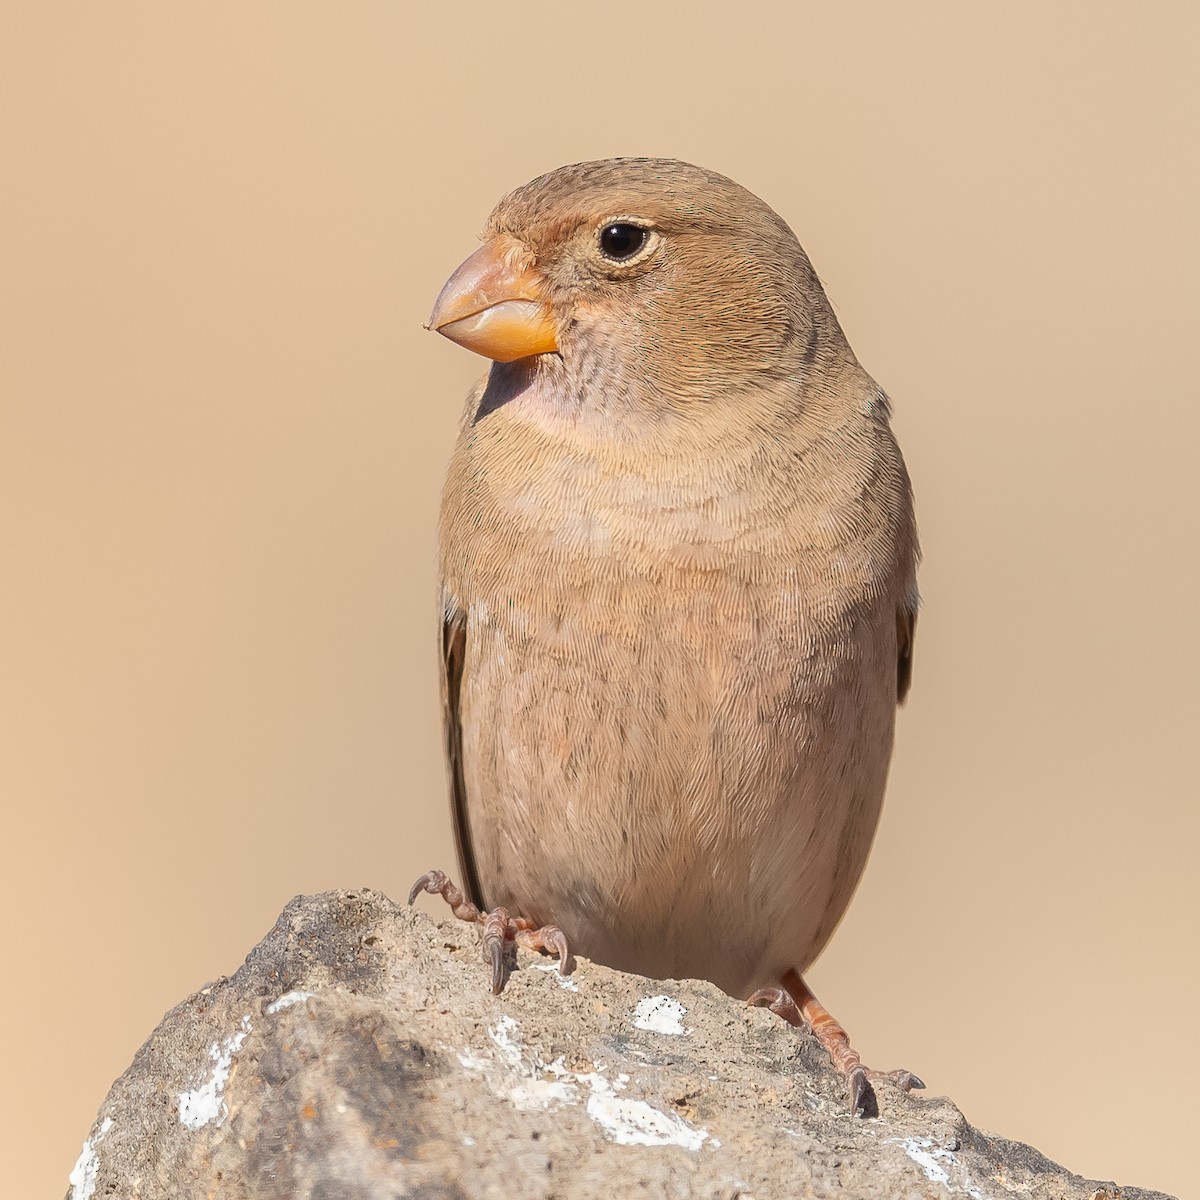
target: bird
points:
(677, 560)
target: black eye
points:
(622, 240)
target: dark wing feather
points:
(906, 632)
(454, 653)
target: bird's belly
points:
(687, 791)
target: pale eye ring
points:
(622, 240)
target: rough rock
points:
(358, 1054)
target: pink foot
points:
(497, 926)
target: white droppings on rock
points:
(83, 1175)
(917, 1150)
(564, 981)
(634, 1122)
(637, 1123)
(624, 1120)
(940, 1165)
(205, 1104)
(288, 999)
(533, 1091)
(506, 1033)
(660, 1014)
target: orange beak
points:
(494, 304)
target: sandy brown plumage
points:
(678, 564)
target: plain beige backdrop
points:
(223, 431)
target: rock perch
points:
(358, 1054)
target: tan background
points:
(223, 432)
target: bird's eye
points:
(622, 240)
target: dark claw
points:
(429, 882)
(779, 1002)
(858, 1090)
(915, 1081)
(559, 942)
(496, 953)
(496, 930)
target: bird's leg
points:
(497, 927)
(797, 1005)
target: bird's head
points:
(642, 275)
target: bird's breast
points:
(687, 668)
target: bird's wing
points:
(454, 653)
(906, 632)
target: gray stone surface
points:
(358, 1054)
